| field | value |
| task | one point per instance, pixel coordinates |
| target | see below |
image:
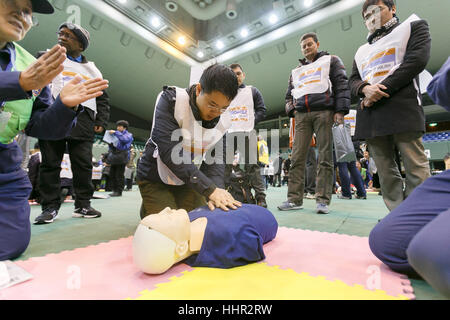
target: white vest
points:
(379, 60)
(312, 78)
(242, 111)
(66, 167)
(71, 68)
(97, 172)
(196, 139)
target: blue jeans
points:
(414, 238)
(355, 177)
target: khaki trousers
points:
(417, 168)
(307, 123)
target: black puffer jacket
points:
(403, 111)
(337, 99)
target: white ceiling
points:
(138, 64)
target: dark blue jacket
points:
(204, 180)
(439, 87)
(50, 119)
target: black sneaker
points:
(47, 216)
(115, 194)
(86, 213)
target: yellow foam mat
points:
(257, 281)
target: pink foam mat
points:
(335, 257)
(106, 271)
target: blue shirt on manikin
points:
(233, 238)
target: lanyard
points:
(9, 67)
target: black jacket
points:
(258, 104)
(338, 99)
(403, 111)
(86, 120)
(203, 180)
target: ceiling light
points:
(434, 124)
(308, 3)
(244, 33)
(122, 1)
(182, 40)
(219, 45)
(273, 19)
(200, 54)
(156, 22)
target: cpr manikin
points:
(202, 238)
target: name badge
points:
(4, 118)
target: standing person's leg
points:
(80, 152)
(252, 169)
(323, 121)
(417, 166)
(120, 178)
(49, 173)
(311, 171)
(357, 180)
(429, 253)
(345, 179)
(391, 237)
(302, 141)
(383, 151)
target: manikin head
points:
(161, 240)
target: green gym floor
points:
(120, 217)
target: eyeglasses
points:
(217, 109)
(375, 10)
(26, 13)
(66, 35)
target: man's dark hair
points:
(389, 3)
(235, 66)
(309, 35)
(219, 77)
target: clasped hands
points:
(221, 198)
(373, 93)
(42, 72)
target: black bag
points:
(116, 156)
(239, 187)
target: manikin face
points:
(161, 240)
(174, 224)
(377, 16)
(211, 105)
(16, 19)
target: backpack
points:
(239, 187)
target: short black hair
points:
(123, 123)
(235, 66)
(309, 35)
(389, 3)
(219, 77)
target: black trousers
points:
(246, 143)
(80, 152)
(117, 177)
